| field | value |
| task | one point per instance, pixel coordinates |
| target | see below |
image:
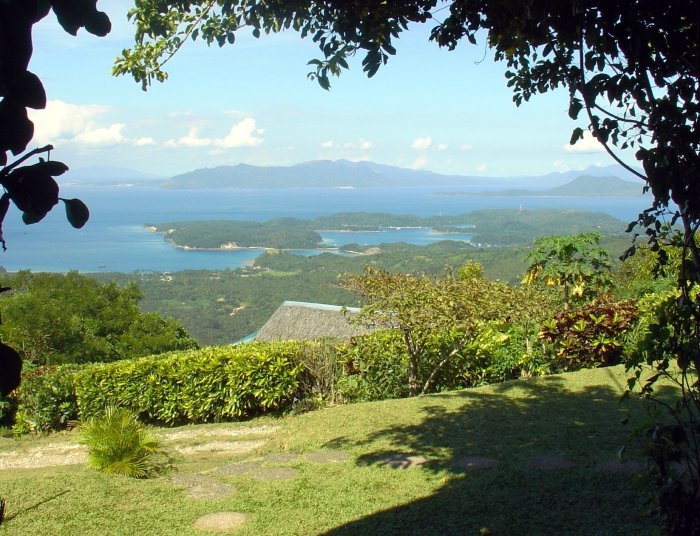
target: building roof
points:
(306, 321)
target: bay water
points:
(116, 238)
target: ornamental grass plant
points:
(119, 444)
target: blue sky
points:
(448, 112)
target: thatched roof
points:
(306, 321)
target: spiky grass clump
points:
(119, 444)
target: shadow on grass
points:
(35, 505)
(552, 463)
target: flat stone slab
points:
(282, 457)
(203, 487)
(220, 522)
(274, 473)
(475, 462)
(403, 461)
(240, 468)
(550, 463)
(229, 447)
(328, 456)
(629, 467)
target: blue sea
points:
(116, 239)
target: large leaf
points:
(76, 212)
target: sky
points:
(428, 108)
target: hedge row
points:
(207, 385)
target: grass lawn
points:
(546, 437)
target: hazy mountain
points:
(107, 175)
(344, 173)
(588, 185)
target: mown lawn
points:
(570, 423)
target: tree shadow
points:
(530, 457)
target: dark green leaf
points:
(76, 212)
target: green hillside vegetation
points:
(491, 227)
(220, 307)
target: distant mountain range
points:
(348, 174)
(583, 186)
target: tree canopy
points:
(630, 66)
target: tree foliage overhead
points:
(32, 188)
(631, 66)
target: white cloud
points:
(110, 135)
(361, 144)
(242, 134)
(419, 162)
(61, 121)
(146, 140)
(588, 144)
(441, 147)
(481, 168)
(465, 147)
(422, 143)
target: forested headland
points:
(490, 227)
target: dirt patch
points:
(229, 447)
(179, 435)
(49, 455)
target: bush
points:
(119, 444)
(375, 364)
(591, 336)
(207, 385)
(46, 400)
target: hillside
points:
(344, 174)
(588, 185)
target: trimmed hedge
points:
(208, 385)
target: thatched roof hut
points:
(305, 321)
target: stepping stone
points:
(403, 461)
(220, 522)
(629, 467)
(274, 473)
(282, 457)
(328, 456)
(550, 463)
(475, 462)
(203, 487)
(241, 468)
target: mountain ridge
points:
(367, 174)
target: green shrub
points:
(321, 371)
(119, 444)
(591, 336)
(207, 385)
(375, 364)
(46, 400)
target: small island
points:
(490, 228)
